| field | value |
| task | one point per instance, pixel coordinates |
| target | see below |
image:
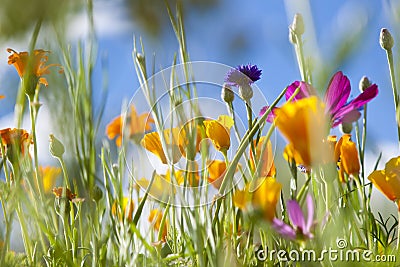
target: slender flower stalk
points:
(296, 30)
(386, 42)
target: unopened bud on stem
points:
(246, 92)
(56, 147)
(297, 25)
(227, 94)
(364, 83)
(386, 39)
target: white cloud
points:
(110, 17)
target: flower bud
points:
(298, 24)
(97, 193)
(364, 83)
(56, 147)
(140, 58)
(386, 39)
(245, 92)
(227, 94)
(346, 128)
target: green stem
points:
(33, 116)
(389, 55)
(300, 58)
(303, 189)
(25, 235)
(65, 173)
(250, 125)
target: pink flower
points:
(335, 98)
(298, 228)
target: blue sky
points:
(238, 32)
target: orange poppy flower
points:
(191, 175)
(263, 194)
(126, 207)
(304, 125)
(264, 158)
(346, 156)
(216, 172)
(388, 180)
(155, 219)
(138, 125)
(20, 60)
(49, 176)
(190, 147)
(219, 132)
(152, 143)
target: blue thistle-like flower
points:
(243, 75)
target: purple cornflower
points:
(299, 227)
(243, 75)
(335, 98)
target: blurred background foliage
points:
(18, 17)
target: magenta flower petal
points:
(366, 96)
(283, 229)
(305, 90)
(296, 214)
(310, 213)
(270, 116)
(337, 93)
(349, 117)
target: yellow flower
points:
(264, 157)
(216, 172)
(304, 125)
(155, 219)
(219, 132)
(49, 176)
(126, 206)
(388, 180)
(346, 151)
(191, 175)
(38, 68)
(189, 144)
(152, 143)
(161, 189)
(241, 198)
(263, 194)
(138, 125)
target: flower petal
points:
(296, 214)
(362, 99)
(337, 93)
(270, 116)
(283, 229)
(349, 117)
(310, 213)
(305, 90)
(386, 186)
